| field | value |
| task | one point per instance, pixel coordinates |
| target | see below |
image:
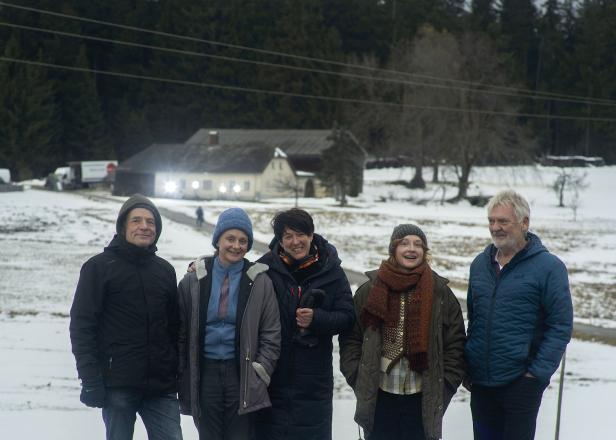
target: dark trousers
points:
(397, 417)
(220, 394)
(160, 414)
(508, 412)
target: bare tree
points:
(419, 131)
(479, 133)
(291, 185)
(571, 182)
(444, 121)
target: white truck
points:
(87, 173)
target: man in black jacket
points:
(124, 327)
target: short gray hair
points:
(513, 199)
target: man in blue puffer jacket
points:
(520, 319)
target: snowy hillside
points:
(45, 237)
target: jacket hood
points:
(533, 247)
(138, 201)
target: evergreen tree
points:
(342, 166)
(27, 116)
(596, 61)
(483, 15)
(85, 136)
(518, 35)
(553, 63)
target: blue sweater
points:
(220, 333)
(521, 321)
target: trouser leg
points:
(411, 423)
(521, 402)
(220, 394)
(120, 412)
(212, 400)
(161, 417)
(397, 417)
(488, 416)
(236, 427)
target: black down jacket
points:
(124, 319)
(301, 389)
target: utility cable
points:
(301, 95)
(286, 66)
(306, 58)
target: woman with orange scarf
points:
(404, 356)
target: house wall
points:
(272, 182)
(277, 179)
(319, 189)
(209, 185)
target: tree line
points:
(435, 81)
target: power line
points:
(299, 95)
(283, 66)
(306, 58)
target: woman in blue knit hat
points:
(229, 334)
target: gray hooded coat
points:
(257, 339)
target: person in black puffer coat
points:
(124, 328)
(315, 302)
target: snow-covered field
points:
(45, 237)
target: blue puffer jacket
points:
(520, 322)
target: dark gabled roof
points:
(252, 157)
(292, 142)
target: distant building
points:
(572, 161)
(233, 164)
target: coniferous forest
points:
(433, 80)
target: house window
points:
(207, 185)
(246, 185)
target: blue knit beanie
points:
(232, 218)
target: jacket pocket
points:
(261, 373)
(256, 380)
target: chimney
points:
(212, 138)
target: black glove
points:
(93, 392)
(312, 299)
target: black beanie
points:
(402, 231)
